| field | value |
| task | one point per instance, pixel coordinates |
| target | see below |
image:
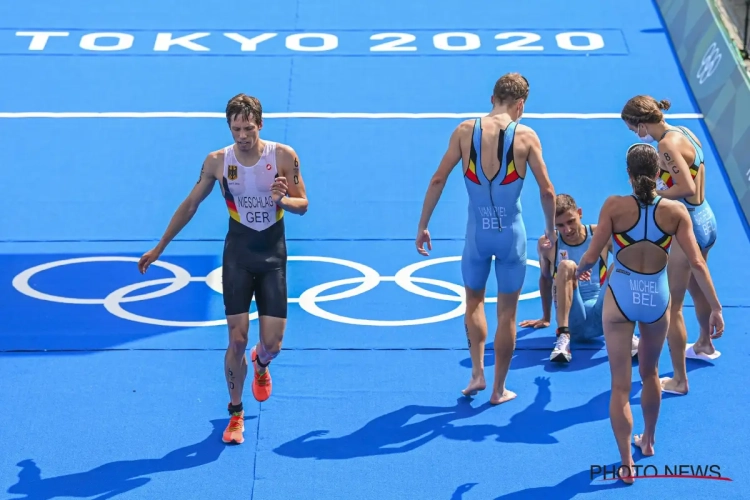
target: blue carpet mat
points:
(147, 424)
(113, 387)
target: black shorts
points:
(254, 265)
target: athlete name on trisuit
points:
(261, 202)
(492, 217)
(703, 220)
(643, 292)
(256, 201)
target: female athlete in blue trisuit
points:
(642, 227)
(682, 178)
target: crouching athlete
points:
(578, 301)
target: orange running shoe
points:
(261, 382)
(233, 432)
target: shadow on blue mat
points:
(116, 478)
(533, 425)
(582, 359)
(583, 354)
(567, 489)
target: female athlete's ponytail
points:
(645, 189)
(643, 167)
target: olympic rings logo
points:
(709, 63)
(309, 300)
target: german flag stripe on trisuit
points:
(230, 202)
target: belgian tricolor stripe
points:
(664, 242)
(230, 202)
(279, 213)
(602, 271)
(511, 175)
(471, 172)
(667, 177)
(623, 240)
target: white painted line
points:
(366, 116)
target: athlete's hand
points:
(583, 270)
(585, 276)
(716, 324)
(549, 239)
(423, 237)
(534, 323)
(148, 258)
(279, 188)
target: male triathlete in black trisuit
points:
(260, 181)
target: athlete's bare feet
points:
(626, 472)
(704, 347)
(674, 386)
(501, 397)
(476, 384)
(645, 444)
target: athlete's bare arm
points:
(602, 235)
(289, 187)
(546, 261)
(672, 159)
(545, 258)
(686, 238)
(450, 159)
(210, 173)
(538, 167)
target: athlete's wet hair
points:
(511, 87)
(643, 167)
(563, 203)
(245, 106)
(644, 109)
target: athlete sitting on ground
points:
(683, 178)
(260, 181)
(641, 227)
(495, 150)
(578, 301)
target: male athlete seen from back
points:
(495, 150)
(260, 180)
(578, 302)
